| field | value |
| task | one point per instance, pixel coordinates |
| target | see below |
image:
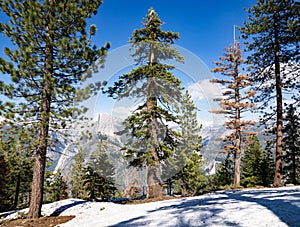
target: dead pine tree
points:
(234, 102)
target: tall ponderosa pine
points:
(151, 139)
(52, 58)
(234, 103)
(255, 166)
(274, 34)
(291, 145)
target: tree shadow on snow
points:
(285, 204)
(209, 211)
(189, 212)
(61, 209)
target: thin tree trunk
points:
(238, 134)
(294, 180)
(17, 192)
(279, 122)
(237, 169)
(237, 153)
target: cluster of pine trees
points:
(90, 180)
(45, 80)
(95, 179)
(272, 41)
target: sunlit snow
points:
(250, 207)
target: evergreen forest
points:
(51, 149)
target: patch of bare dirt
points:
(39, 222)
(151, 200)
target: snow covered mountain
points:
(109, 125)
(106, 125)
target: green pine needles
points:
(51, 59)
(272, 34)
(255, 166)
(150, 137)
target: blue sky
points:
(205, 28)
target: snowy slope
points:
(253, 207)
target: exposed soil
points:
(39, 222)
(56, 220)
(150, 200)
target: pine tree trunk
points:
(154, 182)
(278, 164)
(17, 192)
(238, 134)
(237, 169)
(40, 159)
(41, 151)
(237, 152)
(36, 199)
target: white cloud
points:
(125, 108)
(204, 89)
(122, 111)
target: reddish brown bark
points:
(43, 133)
(279, 121)
(155, 187)
(238, 134)
(154, 181)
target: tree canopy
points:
(51, 59)
(272, 36)
(151, 139)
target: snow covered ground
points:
(252, 207)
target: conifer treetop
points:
(150, 139)
(35, 28)
(152, 38)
